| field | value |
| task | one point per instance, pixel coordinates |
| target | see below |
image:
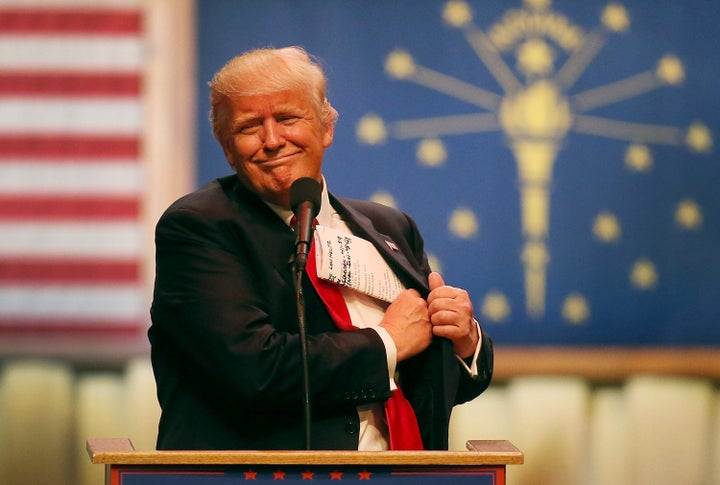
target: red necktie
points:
(402, 423)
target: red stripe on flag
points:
(69, 84)
(69, 328)
(65, 146)
(72, 207)
(18, 145)
(69, 21)
(40, 270)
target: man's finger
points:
(435, 280)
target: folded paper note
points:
(354, 262)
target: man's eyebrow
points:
(280, 110)
(288, 109)
(244, 118)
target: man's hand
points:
(451, 315)
(408, 323)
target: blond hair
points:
(266, 71)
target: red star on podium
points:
(307, 475)
(364, 475)
(250, 475)
(336, 475)
(279, 475)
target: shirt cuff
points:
(472, 368)
(391, 352)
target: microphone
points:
(305, 200)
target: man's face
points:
(271, 140)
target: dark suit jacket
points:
(225, 346)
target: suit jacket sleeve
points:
(436, 379)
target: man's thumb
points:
(435, 280)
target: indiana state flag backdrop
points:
(558, 156)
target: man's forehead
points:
(283, 100)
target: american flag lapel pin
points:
(392, 245)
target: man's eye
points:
(248, 129)
(288, 120)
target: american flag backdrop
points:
(71, 173)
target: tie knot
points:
(293, 222)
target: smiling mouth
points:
(278, 159)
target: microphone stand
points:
(298, 270)
(305, 199)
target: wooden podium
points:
(483, 463)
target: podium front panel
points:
(234, 474)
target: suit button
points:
(351, 428)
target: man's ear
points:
(329, 134)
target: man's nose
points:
(273, 135)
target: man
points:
(225, 345)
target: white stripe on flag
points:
(71, 242)
(77, 239)
(70, 116)
(71, 53)
(95, 303)
(69, 178)
(70, 3)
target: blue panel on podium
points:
(145, 475)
